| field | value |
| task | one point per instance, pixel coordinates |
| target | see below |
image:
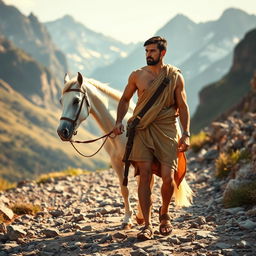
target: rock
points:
(119, 236)
(223, 245)
(202, 234)
(242, 244)
(6, 211)
(247, 225)
(57, 213)
(15, 232)
(87, 228)
(211, 155)
(139, 252)
(233, 210)
(51, 232)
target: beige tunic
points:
(157, 134)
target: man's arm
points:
(182, 105)
(123, 104)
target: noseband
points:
(85, 98)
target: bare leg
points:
(139, 215)
(167, 190)
(144, 191)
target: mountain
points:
(197, 48)
(29, 142)
(84, 48)
(26, 76)
(220, 96)
(30, 35)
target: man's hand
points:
(118, 129)
(184, 143)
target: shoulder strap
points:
(135, 122)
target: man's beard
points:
(152, 62)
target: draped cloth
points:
(158, 132)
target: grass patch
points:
(4, 184)
(53, 175)
(243, 195)
(226, 162)
(199, 140)
(25, 208)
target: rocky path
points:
(81, 216)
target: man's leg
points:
(144, 191)
(167, 190)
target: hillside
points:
(26, 76)
(29, 34)
(29, 143)
(85, 49)
(220, 96)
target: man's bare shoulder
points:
(137, 73)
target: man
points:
(156, 138)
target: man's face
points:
(153, 54)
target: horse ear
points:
(66, 78)
(79, 79)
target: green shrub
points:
(244, 195)
(69, 172)
(25, 208)
(199, 140)
(4, 184)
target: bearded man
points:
(157, 137)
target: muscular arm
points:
(123, 104)
(181, 99)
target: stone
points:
(248, 225)
(51, 232)
(223, 245)
(7, 212)
(234, 210)
(15, 232)
(139, 252)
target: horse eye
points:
(76, 101)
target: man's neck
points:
(156, 68)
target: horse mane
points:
(113, 93)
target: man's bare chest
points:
(144, 82)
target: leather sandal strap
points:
(164, 216)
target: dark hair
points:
(160, 41)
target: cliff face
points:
(29, 34)
(219, 97)
(26, 76)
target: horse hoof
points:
(126, 226)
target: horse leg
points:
(139, 215)
(127, 221)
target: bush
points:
(226, 162)
(243, 195)
(4, 184)
(25, 208)
(69, 172)
(199, 140)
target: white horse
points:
(81, 97)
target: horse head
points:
(75, 107)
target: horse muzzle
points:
(65, 132)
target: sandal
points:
(146, 233)
(166, 228)
(139, 221)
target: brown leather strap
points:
(135, 122)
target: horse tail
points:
(183, 194)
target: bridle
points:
(85, 98)
(73, 121)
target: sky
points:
(129, 20)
